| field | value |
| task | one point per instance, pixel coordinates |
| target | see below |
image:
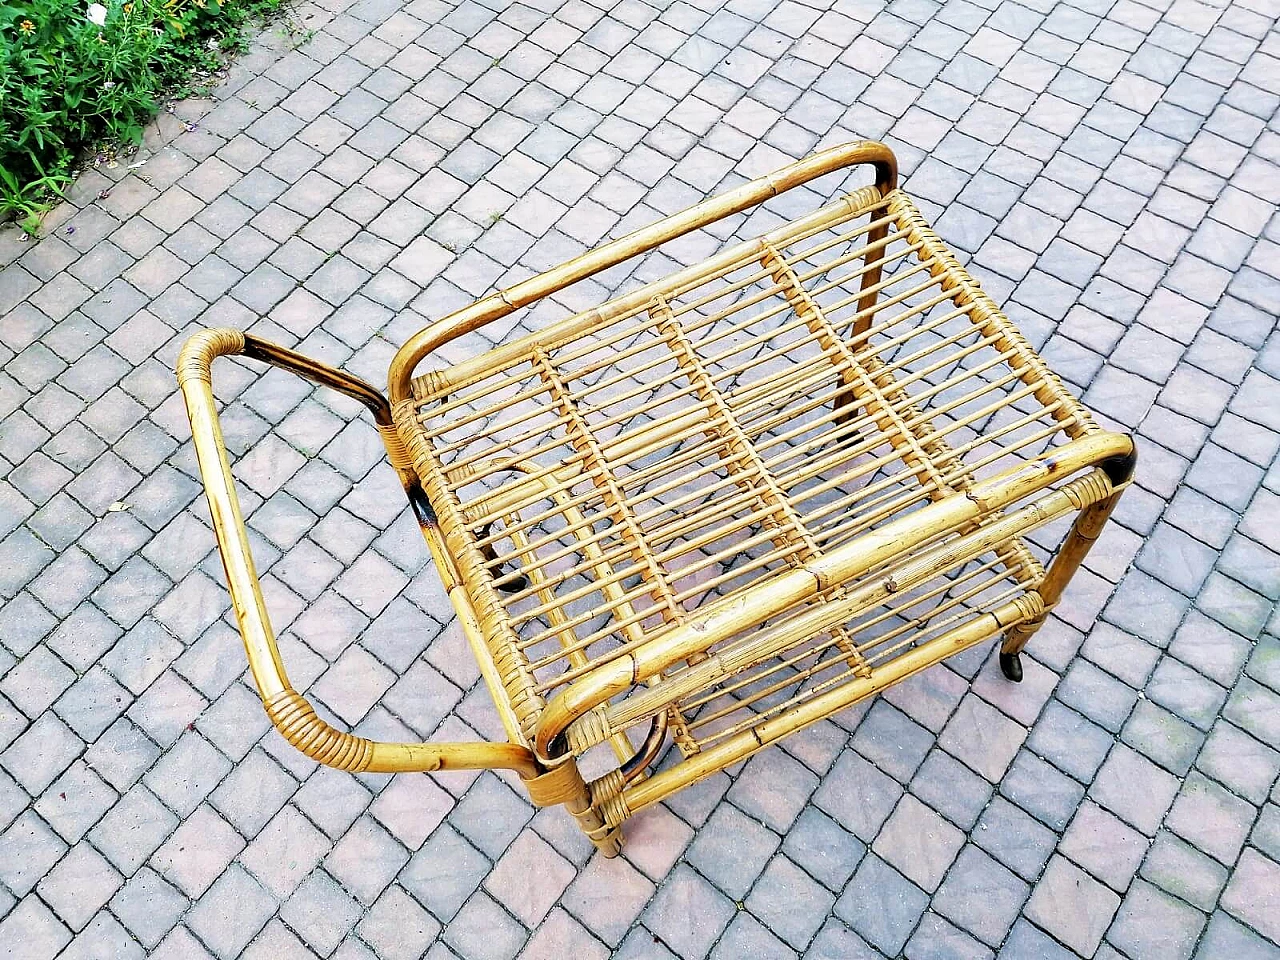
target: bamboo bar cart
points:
(689, 521)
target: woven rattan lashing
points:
(720, 506)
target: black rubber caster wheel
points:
(514, 585)
(1011, 666)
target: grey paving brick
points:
(36, 927)
(396, 927)
(1184, 871)
(80, 885)
(918, 842)
(982, 737)
(446, 870)
(41, 753)
(731, 850)
(28, 848)
(187, 773)
(1226, 937)
(1072, 906)
(1150, 923)
(981, 896)
(321, 912)
(1013, 838)
(231, 913)
(858, 796)
(148, 906)
(881, 905)
(951, 788)
(795, 921)
(1211, 818)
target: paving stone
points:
(197, 852)
(397, 928)
(981, 896)
(1072, 906)
(1014, 838)
(607, 896)
(825, 850)
(746, 936)
(231, 913)
(982, 737)
(1186, 693)
(1160, 736)
(1068, 740)
(789, 902)
(918, 842)
(1225, 937)
(1184, 871)
(482, 930)
(1142, 810)
(1041, 790)
(1103, 845)
(1153, 924)
(132, 829)
(936, 938)
(36, 928)
(444, 872)
(1251, 893)
(665, 837)
(881, 905)
(1211, 818)
(731, 850)
(28, 848)
(148, 906)
(773, 789)
(74, 802)
(284, 852)
(80, 885)
(37, 757)
(858, 796)
(103, 937)
(1027, 941)
(1240, 762)
(321, 912)
(836, 940)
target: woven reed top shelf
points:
(619, 470)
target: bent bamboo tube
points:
(610, 254)
(289, 711)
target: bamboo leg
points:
(1084, 533)
(588, 804)
(870, 280)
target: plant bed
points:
(75, 75)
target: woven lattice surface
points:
(630, 464)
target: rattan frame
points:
(667, 655)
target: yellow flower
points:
(27, 26)
(128, 8)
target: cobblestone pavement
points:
(1110, 169)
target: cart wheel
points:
(496, 565)
(1011, 666)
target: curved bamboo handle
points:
(700, 215)
(289, 711)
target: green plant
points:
(74, 73)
